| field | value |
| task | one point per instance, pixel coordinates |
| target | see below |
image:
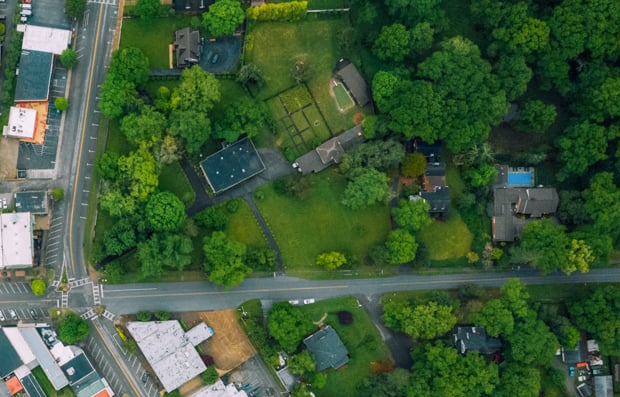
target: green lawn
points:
(447, 239)
(244, 227)
(173, 179)
(306, 227)
(153, 38)
(47, 387)
(361, 339)
(317, 41)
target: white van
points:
(27, 6)
(26, 13)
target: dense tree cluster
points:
(223, 17)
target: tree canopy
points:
(72, 329)
(75, 8)
(331, 260)
(224, 260)
(165, 212)
(367, 188)
(412, 215)
(223, 17)
(288, 325)
(424, 321)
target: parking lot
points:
(15, 314)
(53, 251)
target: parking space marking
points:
(12, 289)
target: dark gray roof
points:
(503, 228)
(475, 339)
(77, 368)
(34, 202)
(536, 202)
(330, 151)
(232, 165)
(439, 199)
(327, 349)
(603, 386)
(10, 359)
(32, 386)
(353, 80)
(187, 46)
(432, 152)
(435, 169)
(35, 73)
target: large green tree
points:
(75, 8)
(147, 10)
(223, 17)
(144, 128)
(413, 12)
(367, 188)
(224, 260)
(165, 212)
(518, 381)
(400, 247)
(424, 321)
(244, 116)
(120, 237)
(164, 251)
(199, 91)
(288, 325)
(412, 215)
(393, 43)
(581, 146)
(599, 314)
(192, 126)
(331, 260)
(535, 116)
(602, 205)
(68, 58)
(377, 154)
(72, 329)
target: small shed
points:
(327, 349)
(353, 81)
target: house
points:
(603, 386)
(438, 200)
(187, 47)
(329, 152)
(475, 339)
(536, 202)
(434, 189)
(16, 245)
(327, 349)
(170, 351)
(347, 73)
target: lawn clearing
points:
(173, 179)
(447, 239)
(361, 339)
(304, 228)
(244, 228)
(316, 41)
(153, 38)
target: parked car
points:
(13, 314)
(308, 301)
(145, 377)
(33, 314)
(294, 302)
(571, 371)
(2, 316)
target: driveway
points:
(220, 56)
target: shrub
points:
(68, 58)
(210, 376)
(345, 317)
(289, 11)
(233, 205)
(144, 315)
(38, 287)
(58, 194)
(61, 104)
(162, 315)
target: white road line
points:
(12, 289)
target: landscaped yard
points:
(244, 227)
(173, 179)
(47, 387)
(314, 40)
(153, 38)
(306, 227)
(447, 239)
(361, 339)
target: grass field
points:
(447, 239)
(173, 179)
(315, 40)
(244, 227)
(153, 38)
(47, 387)
(304, 228)
(361, 339)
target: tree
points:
(68, 58)
(388, 384)
(199, 91)
(384, 85)
(481, 176)
(261, 259)
(116, 96)
(536, 116)
(601, 102)
(251, 75)
(212, 218)
(441, 371)
(367, 188)
(519, 381)
(72, 329)
(288, 325)
(223, 17)
(598, 314)
(426, 321)
(421, 37)
(144, 315)
(75, 8)
(120, 237)
(414, 165)
(165, 212)
(378, 154)
(224, 260)
(513, 75)
(532, 343)
(168, 151)
(192, 126)
(210, 376)
(301, 363)
(61, 104)
(413, 12)
(147, 10)
(331, 260)
(602, 205)
(400, 247)
(130, 64)
(302, 69)
(393, 43)
(130, 345)
(496, 318)
(581, 146)
(138, 175)
(38, 287)
(171, 251)
(144, 128)
(244, 116)
(58, 194)
(412, 215)
(553, 250)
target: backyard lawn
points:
(447, 239)
(173, 179)
(153, 38)
(244, 227)
(306, 227)
(316, 41)
(361, 339)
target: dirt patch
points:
(229, 346)
(8, 154)
(191, 387)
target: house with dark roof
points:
(347, 73)
(327, 349)
(187, 47)
(33, 76)
(434, 189)
(329, 152)
(603, 386)
(10, 359)
(536, 202)
(475, 339)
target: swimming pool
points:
(520, 178)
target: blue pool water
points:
(520, 178)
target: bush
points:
(345, 317)
(58, 194)
(162, 315)
(233, 205)
(68, 58)
(212, 218)
(61, 104)
(38, 287)
(73, 329)
(289, 11)
(144, 315)
(210, 376)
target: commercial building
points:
(16, 245)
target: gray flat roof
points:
(32, 386)
(44, 357)
(35, 73)
(10, 359)
(232, 165)
(77, 368)
(34, 202)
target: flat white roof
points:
(39, 38)
(218, 389)
(22, 123)
(16, 248)
(168, 350)
(44, 357)
(19, 344)
(200, 333)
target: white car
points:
(308, 301)
(13, 314)
(2, 316)
(294, 302)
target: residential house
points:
(329, 152)
(347, 73)
(187, 47)
(327, 349)
(475, 339)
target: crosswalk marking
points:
(79, 283)
(110, 316)
(64, 300)
(96, 294)
(109, 2)
(89, 314)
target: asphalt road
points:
(190, 296)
